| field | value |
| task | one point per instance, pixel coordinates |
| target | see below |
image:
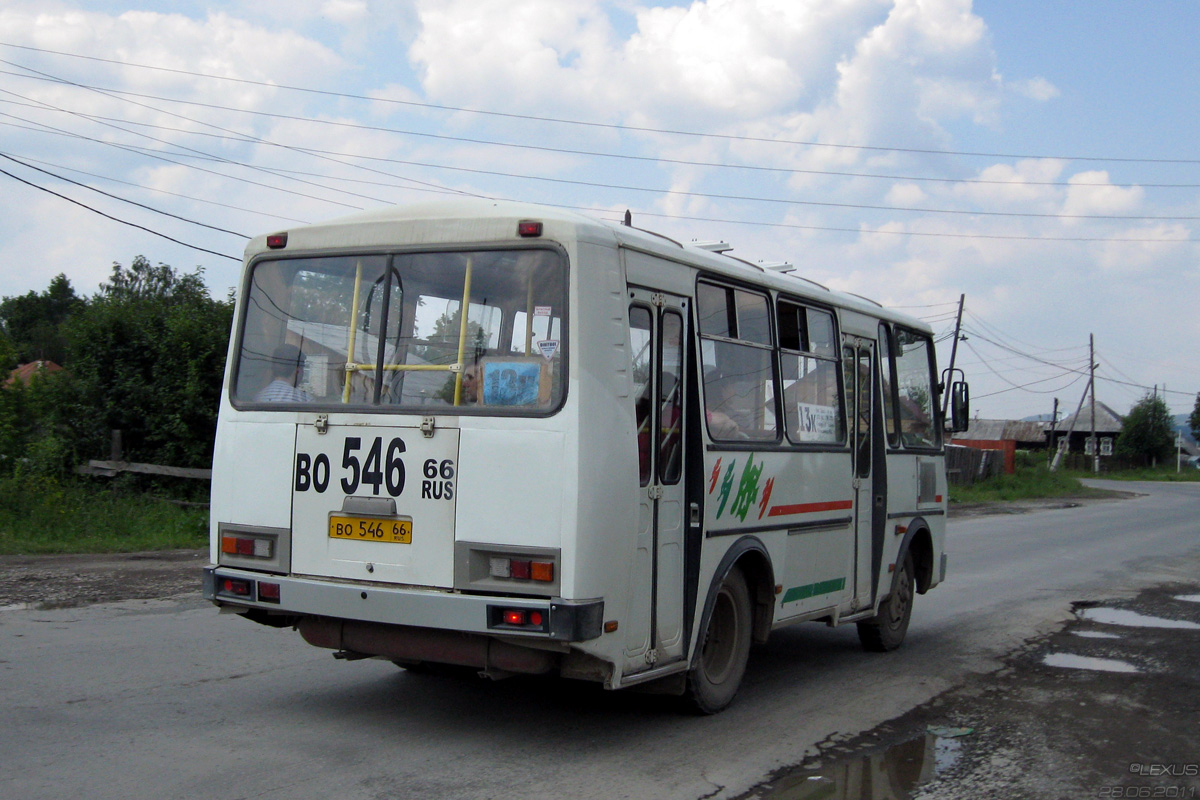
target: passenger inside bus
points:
(286, 365)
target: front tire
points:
(886, 630)
(714, 679)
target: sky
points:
(1037, 158)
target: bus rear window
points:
(388, 331)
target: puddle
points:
(886, 775)
(1132, 619)
(19, 607)
(1095, 635)
(1069, 661)
(1189, 598)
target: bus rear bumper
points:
(545, 619)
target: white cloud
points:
(344, 12)
(1038, 89)
(1092, 193)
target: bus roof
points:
(484, 220)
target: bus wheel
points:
(885, 631)
(717, 673)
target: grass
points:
(44, 515)
(1030, 481)
(1034, 480)
(1185, 475)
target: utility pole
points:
(1074, 421)
(1053, 432)
(1092, 384)
(953, 354)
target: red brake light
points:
(235, 586)
(529, 228)
(514, 617)
(275, 241)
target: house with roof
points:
(1005, 435)
(1077, 429)
(25, 372)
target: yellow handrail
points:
(351, 367)
(462, 333)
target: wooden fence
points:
(966, 465)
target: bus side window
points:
(739, 367)
(887, 371)
(642, 358)
(812, 405)
(914, 382)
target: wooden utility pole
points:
(1092, 384)
(1053, 432)
(953, 354)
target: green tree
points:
(146, 357)
(1148, 432)
(8, 356)
(34, 322)
(1194, 419)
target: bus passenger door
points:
(868, 466)
(655, 633)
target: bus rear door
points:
(658, 325)
(868, 465)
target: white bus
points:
(518, 439)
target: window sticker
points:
(816, 423)
(511, 383)
(542, 311)
(548, 347)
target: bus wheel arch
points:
(738, 610)
(919, 543)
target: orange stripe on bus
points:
(809, 508)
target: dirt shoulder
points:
(1040, 504)
(62, 581)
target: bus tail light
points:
(529, 228)
(252, 546)
(521, 569)
(504, 568)
(268, 592)
(523, 619)
(237, 587)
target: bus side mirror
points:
(960, 406)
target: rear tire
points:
(714, 679)
(886, 630)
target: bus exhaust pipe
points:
(408, 643)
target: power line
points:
(1002, 335)
(1024, 387)
(330, 155)
(605, 212)
(122, 199)
(117, 219)
(149, 154)
(587, 153)
(603, 125)
(857, 231)
(335, 156)
(172, 144)
(159, 191)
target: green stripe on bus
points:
(814, 589)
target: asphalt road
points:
(169, 699)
